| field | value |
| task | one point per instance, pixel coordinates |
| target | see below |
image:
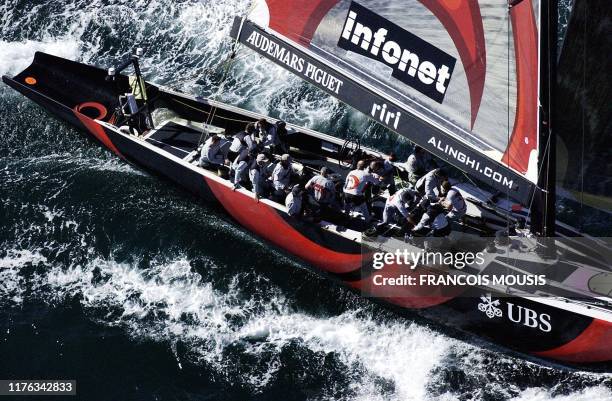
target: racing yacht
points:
(568, 318)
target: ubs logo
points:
(515, 313)
(489, 306)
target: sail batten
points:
(459, 78)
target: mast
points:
(548, 83)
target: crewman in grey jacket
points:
(258, 175)
(398, 206)
(293, 202)
(212, 155)
(281, 178)
(416, 165)
(430, 187)
(322, 188)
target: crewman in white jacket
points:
(355, 187)
(398, 205)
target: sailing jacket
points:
(397, 201)
(357, 180)
(293, 204)
(457, 202)
(416, 164)
(240, 140)
(323, 189)
(269, 136)
(211, 153)
(428, 184)
(281, 176)
(258, 176)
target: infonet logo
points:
(415, 62)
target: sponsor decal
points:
(385, 115)
(489, 306)
(515, 313)
(529, 317)
(471, 163)
(295, 62)
(414, 61)
(352, 182)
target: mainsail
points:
(457, 77)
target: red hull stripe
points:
(594, 344)
(265, 221)
(97, 130)
(524, 134)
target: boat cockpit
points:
(184, 138)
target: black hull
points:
(524, 325)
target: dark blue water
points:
(139, 292)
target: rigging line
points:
(207, 113)
(470, 179)
(550, 40)
(540, 171)
(177, 87)
(211, 115)
(547, 130)
(227, 66)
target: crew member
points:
(293, 202)
(240, 166)
(241, 140)
(268, 134)
(322, 188)
(281, 133)
(258, 175)
(281, 177)
(433, 223)
(212, 155)
(453, 202)
(355, 187)
(416, 165)
(429, 186)
(398, 206)
(386, 171)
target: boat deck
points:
(175, 139)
